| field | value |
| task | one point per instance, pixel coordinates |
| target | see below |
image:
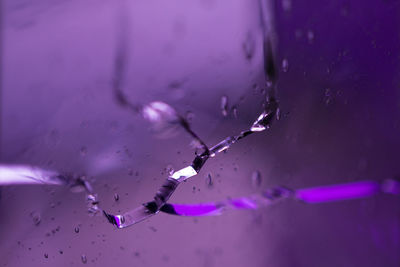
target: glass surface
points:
(338, 90)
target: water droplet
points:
(84, 259)
(157, 111)
(278, 114)
(268, 84)
(46, 255)
(285, 65)
(256, 179)
(116, 197)
(224, 105)
(196, 144)
(77, 229)
(249, 46)
(169, 170)
(92, 204)
(162, 116)
(310, 36)
(165, 258)
(91, 198)
(83, 151)
(189, 116)
(36, 218)
(256, 87)
(235, 112)
(328, 96)
(209, 181)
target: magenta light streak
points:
(243, 203)
(197, 210)
(338, 192)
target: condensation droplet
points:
(92, 204)
(328, 96)
(249, 46)
(209, 181)
(278, 114)
(255, 87)
(235, 112)
(310, 36)
(268, 84)
(116, 197)
(224, 105)
(169, 170)
(285, 65)
(162, 117)
(189, 116)
(256, 179)
(83, 151)
(84, 259)
(196, 144)
(156, 112)
(36, 218)
(76, 229)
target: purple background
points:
(340, 102)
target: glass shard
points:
(184, 173)
(265, 119)
(221, 146)
(129, 218)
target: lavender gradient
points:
(340, 105)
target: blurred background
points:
(339, 93)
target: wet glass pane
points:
(199, 133)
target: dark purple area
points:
(339, 93)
